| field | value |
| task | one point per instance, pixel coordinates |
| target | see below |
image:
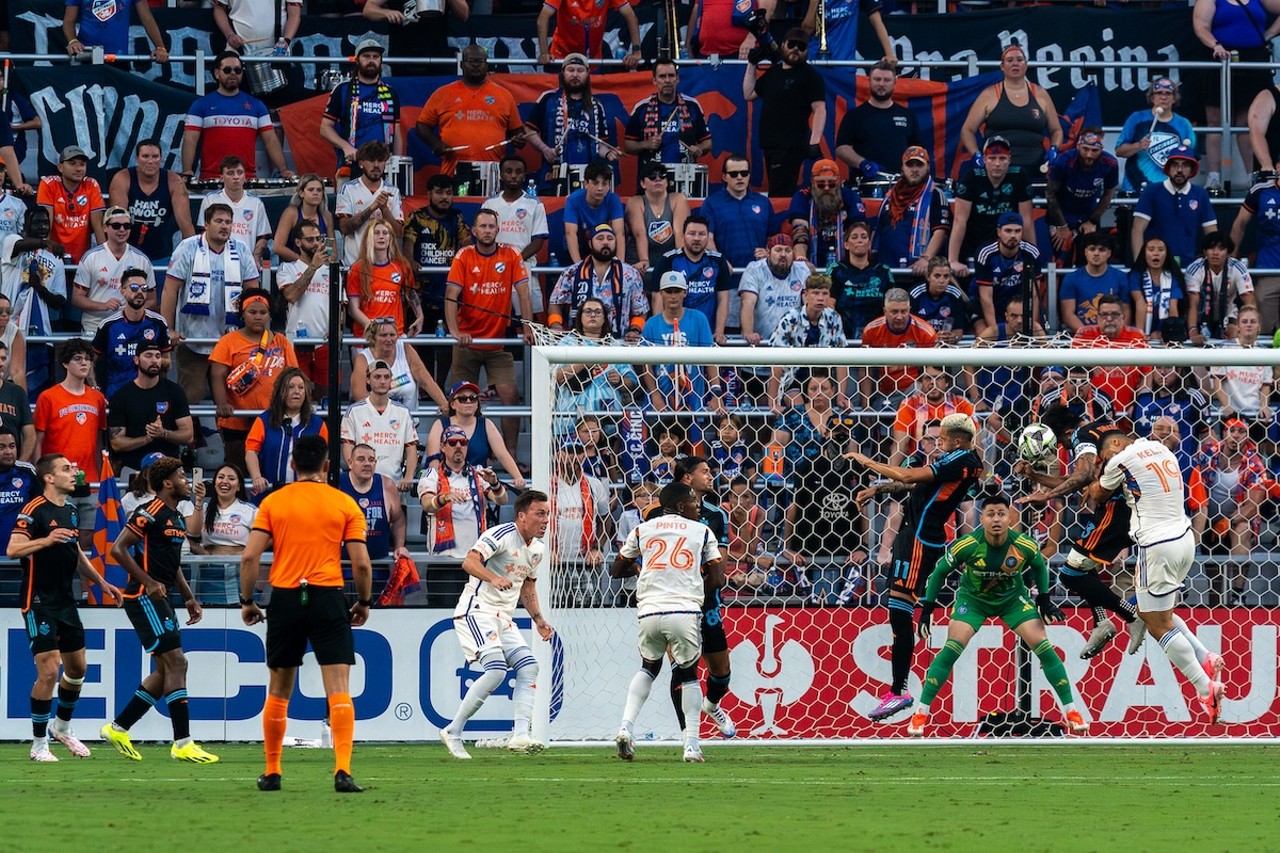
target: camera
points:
(766, 48)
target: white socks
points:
(637, 694)
(1183, 655)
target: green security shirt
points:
(991, 573)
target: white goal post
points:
(809, 664)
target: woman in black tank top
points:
(1019, 111)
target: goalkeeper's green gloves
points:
(926, 619)
(1049, 611)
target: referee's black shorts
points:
(324, 622)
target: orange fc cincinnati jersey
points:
(487, 282)
(308, 523)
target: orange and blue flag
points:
(107, 528)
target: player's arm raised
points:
(529, 598)
(893, 472)
(1081, 475)
(120, 553)
(250, 565)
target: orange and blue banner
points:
(107, 529)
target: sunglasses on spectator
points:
(737, 173)
(826, 185)
(231, 69)
(377, 321)
(456, 442)
(465, 398)
(797, 44)
(135, 287)
(5, 312)
(118, 225)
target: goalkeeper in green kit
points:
(992, 560)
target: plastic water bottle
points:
(282, 48)
(440, 333)
(326, 735)
(531, 189)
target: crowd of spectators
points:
(868, 248)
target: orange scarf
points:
(445, 539)
(588, 542)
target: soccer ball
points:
(1036, 443)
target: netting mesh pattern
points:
(804, 610)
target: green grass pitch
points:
(986, 797)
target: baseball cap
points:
(825, 168)
(1182, 152)
(147, 346)
(796, 34)
(575, 59)
(464, 385)
(996, 143)
(116, 210)
(673, 279)
(380, 365)
(602, 228)
(72, 152)
(915, 152)
(1009, 218)
(959, 421)
(369, 44)
(656, 169)
(453, 432)
(778, 240)
(1058, 369)
(151, 459)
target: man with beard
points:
(74, 200)
(879, 131)
(858, 285)
(522, 225)
(738, 219)
(914, 219)
(707, 272)
(118, 336)
(470, 119)
(228, 121)
(1119, 383)
(433, 236)
(1174, 209)
(32, 275)
(1081, 185)
(1006, 270)
(985, 191)
(99, 289)
(812, 323)
(567, 125)
(1171, 394)
(602, 276)
(363, 109)
(304, 283)
(818, 215)
(149, 414)
(792, 93)
(366, 198)
(157, 201)
(770, 287)
(933, 403)
(667, 127)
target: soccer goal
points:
(804, 607)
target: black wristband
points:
(365, 602)
(246, 602)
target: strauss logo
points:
(772, 677)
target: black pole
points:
(333, 418)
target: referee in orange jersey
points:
(306, 523)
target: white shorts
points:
(680, 632)
(479, 633)
(1162, 568)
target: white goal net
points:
(805, 605)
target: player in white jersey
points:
(681, 561)
(503, 565)
(1148, 471)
